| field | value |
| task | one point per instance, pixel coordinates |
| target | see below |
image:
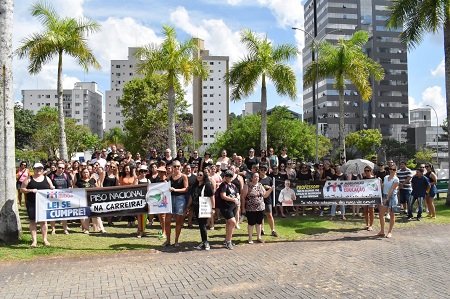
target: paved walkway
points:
(413, 264)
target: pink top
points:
(22, 175)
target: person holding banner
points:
(179, 186)
(369, 210)
(29, 187)
(202, 188)
(141, 179)
(86, 181)
(60, 180)
(389, 200)
(252, 197)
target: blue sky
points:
(138, 22)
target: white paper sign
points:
(205, 207)
(159, 198)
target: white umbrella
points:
(356, 166)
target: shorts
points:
(229, 212)
(433, 192)
(31, 209)
(254, 217)
(404, 195)
(268, 208)
(391, 202)
(178, 204)
(18, 185)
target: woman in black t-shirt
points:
(86, 181)
(229, 195)
(201, 185)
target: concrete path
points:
(415, 263)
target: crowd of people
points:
(238, 188)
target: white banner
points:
(159, 198)
(61, 204)
(123, 205)
(352, 189)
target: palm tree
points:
(263, 61)
(60, 36)
(173, 59)
(10, 222)
(417, 18)
(345, 61)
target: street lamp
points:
(437, 134)
(315, 57)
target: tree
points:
(145, 109)
(25, 126)
(173, 60)
(263, 61)
(114, 136)
(60, 36)
(418, 18)
(395, 149)
(424, 155)
(283, 131)
(345, 61)
(45, 139)
(10, 228)
(364, 140)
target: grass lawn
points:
(120, 237)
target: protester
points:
(431, 175)
(60, 180)
(202, 187)
(179, 186)
(404, 175)
(22, 175)
(389, 200)
(86, 181)
(369, 210)
(29, 187)
(267, 184)
(229, 195)
(420, 189)
(253, 205)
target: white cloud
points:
(439, 71)
(433, 96)
(287, 12)
(219, 38)
(234, 2)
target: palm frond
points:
(285, 81)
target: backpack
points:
(65, 176)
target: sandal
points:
(370, 228)
(250, 241)
(33, 246)
(165, 244)
(380, 235)
(176, 244)
(389, 236)
(260, 241)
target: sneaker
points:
(388, 217)
(321, 214)
(418, 219)
(201, 246)
(207, 247)
(338, 212)
(229, 246)
(427, 210)
(237, 226)
(274, 234)
(262, 232)
(409, 218)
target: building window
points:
(212, 103)
(211, 119)
(205, 87)
(47, 104)
(211, 63)
(205, 111)
(211, 128)
(205, 128)
(205, 136)
(211, 111)
(117, 66)
(211, 95)
(47, 96)
(211, 71)
(212, 136)
(205, 119)
(118, 122)
(205, 103)
(211, 79)
(77, 112)
(205, 95)
(211, 87)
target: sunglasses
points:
(61, 167)
(427, 166)
(393, 169)
(176, 166)
(199, 175)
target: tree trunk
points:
(341, 125)
(447, 87)
(9, 216)
(171, 103)
(264, 114)
(62, 125)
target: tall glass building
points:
(387, 110)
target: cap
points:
(143, 167)
(161, 169)
(38, 165)
(229, 173)
(263, 166)
(218, 164)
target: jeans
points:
(333, 210)
(412, 199)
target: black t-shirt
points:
(112, 156)
(151, 179)
(230, 191)
(168, 162)
(197, 191)
(282, 160)
(304, 176)
(181, 159)
(195, 161)
(251, 161)
(109, 181)
(84, 184)
(267, 181)
(60, 181)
